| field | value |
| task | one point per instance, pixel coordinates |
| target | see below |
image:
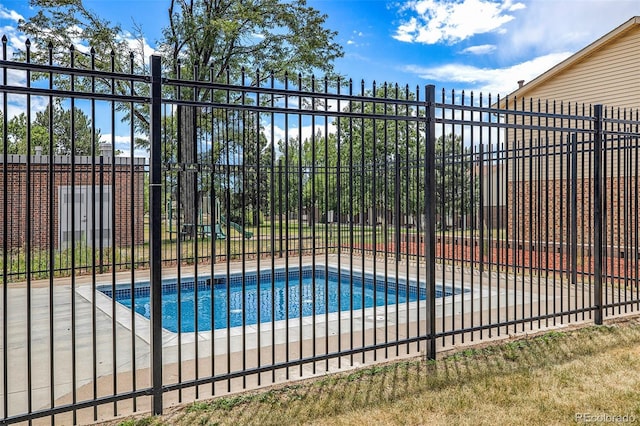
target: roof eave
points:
(571, 60)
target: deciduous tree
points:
(58, 133)
(205, 39)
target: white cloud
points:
(353, 39)
(17, 104)
(555, 26)
(406, 30)
(533, 42)
(482, 49)
(303, 132)
(472, 135)
(122, 143)
(117, 139)
(15, 40)
(137, 153)
(496, 81)
(16, 78)
(451, 21)
(140, 46)
(9, 14)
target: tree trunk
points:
(187, 141)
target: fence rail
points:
(286, 228)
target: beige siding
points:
(549, 148)
(609, 76)
(606, 72)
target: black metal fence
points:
(166, 238)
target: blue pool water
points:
(271, 303)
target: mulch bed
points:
(503, 258)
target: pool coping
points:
(127, 317)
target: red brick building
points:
(541, 192)
(41, 192)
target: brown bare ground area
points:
(504, 257)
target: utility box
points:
(85, 215)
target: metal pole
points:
(430, 218)
(574, 209)
(155, 239)
(597, 213)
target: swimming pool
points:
(279, 297)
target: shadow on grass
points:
(415, 384)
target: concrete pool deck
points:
(494, 297)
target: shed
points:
(81, 199)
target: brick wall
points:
(44, 211)
(540, 212)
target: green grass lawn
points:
(266, 238)
(554, 378)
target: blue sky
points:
(480, 45)
(484, 45)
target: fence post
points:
(430, 218)
(398, 209)
(597, 212)
(574, 209)
(482, 185)
(155, 232)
